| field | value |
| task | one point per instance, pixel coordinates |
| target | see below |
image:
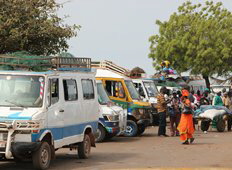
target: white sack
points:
(211, 113)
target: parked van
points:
(170, 85)
(112, 119)
(148, 90)
(41, 112)
(122, 91)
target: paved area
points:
(210, 151)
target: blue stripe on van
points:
(63, 132)
(16, 116)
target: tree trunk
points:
(207, 81)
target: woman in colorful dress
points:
(186, 126)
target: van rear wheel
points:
(131, 129)
(42, 157)
(84, 147)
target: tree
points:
(33, 26)
(197, 39)
(136, 72)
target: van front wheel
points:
(101, 134)
(42, 157)
(84, 148)
(131, 129)
(141, 129)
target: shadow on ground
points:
(71, 161)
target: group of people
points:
(180, 108)
(223, 98)
(181, 119)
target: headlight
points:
(112, 117)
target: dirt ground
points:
(210, 151)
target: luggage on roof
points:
(42, 63)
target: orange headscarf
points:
(185, 93)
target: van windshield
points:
(103, 98)
(132, 90)
(21, 91)
(151, 89)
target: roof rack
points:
(109, 65)
(46, 63)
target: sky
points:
(118, 30)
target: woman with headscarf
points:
(185, 127)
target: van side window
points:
(115, 89)
(88, 90)
(70, 90)
(54, 87)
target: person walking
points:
(174, 114)
(185, 127)
(162, 108)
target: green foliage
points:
(33, 26)
(196, 38)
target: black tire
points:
(221, 125)
(84, 148)
(131, 129)
(205, 125)
(101, 133)
(229, 123)
(2, 158)
(141, 129)
(42, 157)
(109, 136)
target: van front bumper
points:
(24, 148)
(113, 130)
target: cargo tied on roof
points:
(25, 61)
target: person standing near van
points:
(162, 108)
(174, 114)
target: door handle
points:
(61, 110)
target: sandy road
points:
(148, 151)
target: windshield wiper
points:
(14, 103)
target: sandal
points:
(186, 142)
(191, 140)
